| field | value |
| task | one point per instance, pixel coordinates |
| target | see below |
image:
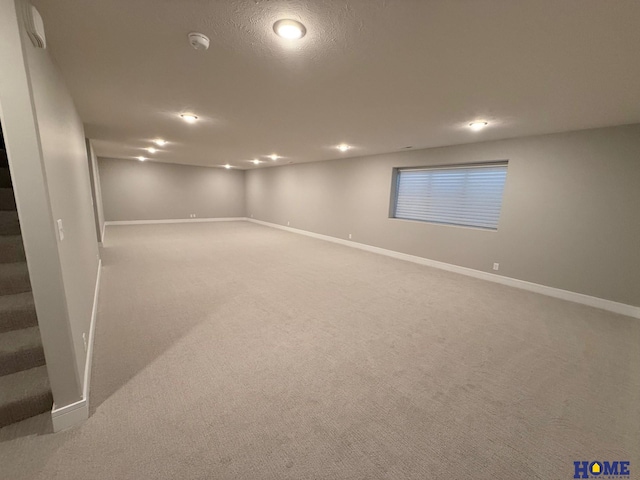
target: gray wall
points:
(570, 216)
(134, 190)
(49, 168)
(96, 190)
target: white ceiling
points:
(378, 74)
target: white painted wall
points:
(48, 162)
(569, 217)
(96, 190)
(134, 190)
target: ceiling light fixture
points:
(255, 161)
(151, 150)
(160, 142)
(227, 166)
(343, 147)
(478, 125)
(189, 117)
(289, 29)
(141, 158)
(274, 157)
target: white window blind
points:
(462, 195)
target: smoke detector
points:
(199, 41)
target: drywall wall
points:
(134, 190)
(64, 156)
(569, 218)
(96, 190)
(49, 168)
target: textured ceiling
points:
(378, 74)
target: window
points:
(469, 195)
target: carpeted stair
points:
(24, 384)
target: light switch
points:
(60, 229)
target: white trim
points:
(69, 415)
(92, 334)
(609, 305)
(76, 413)
(174, 220)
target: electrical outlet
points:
(349, 236)
(496, 266)
(84, 338)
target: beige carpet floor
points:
(236, 351)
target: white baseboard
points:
(611, 306)
(76, 413)
(69, 415)
(174, 220)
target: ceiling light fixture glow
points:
(141, 158)
(151, 150)
(227, 166)
(289, 29)
(160, 142)
(189, 117)
(274, 157)
(478, 125)
(343, 147)
(255, 161)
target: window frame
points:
(395, 187)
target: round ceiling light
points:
(478, 125)
(255, 161)
(289, 29)
(160, 142)
(227, 166)
(189, 117)
(142, 159)
(274, 157)
(343, 147)
(151, 150)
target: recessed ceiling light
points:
(255, 161)
(141, 158)
(227, 166)
(160, 142)
(274, 157)
(289, 29)
(478, 125)
(151, 150)
(343, 147)
(189, 117)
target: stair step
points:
(17, 312)
(24, 394)
(9, 223)
(5, 177)
(14, 278)
(7, 199)
(11, 249)
(20, 350)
